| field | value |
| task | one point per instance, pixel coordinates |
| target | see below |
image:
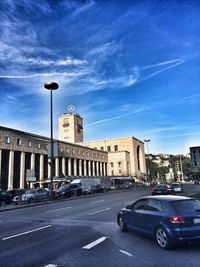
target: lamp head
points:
(51, 85)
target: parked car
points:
(162, 189)
(85, 184)
(177, 187)
(16, 192)
(94, 189)
(62, 192)
(5, 197)
(32, 195)
(170, 220)
(68, 190)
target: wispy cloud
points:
(139, 110)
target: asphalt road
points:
(83, 233)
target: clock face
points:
(71, 108)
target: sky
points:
(130, 68)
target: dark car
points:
(98, 188)
(68, 191)
(168, 219)
(62, 192)
(16, 192)
(5, 197)
(162, 189)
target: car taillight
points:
(177, 219)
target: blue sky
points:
(130, 68)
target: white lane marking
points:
(58, 209)
(28, 232)
(126, 253)
(98, 211)
(51, 265)
(97, 201)
(96, 242)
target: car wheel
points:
(31, 200)
(163, 238)
(122, 225)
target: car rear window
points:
(187, 205)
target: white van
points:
(84, 183)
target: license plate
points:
(196, 220)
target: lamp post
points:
(148, 165)
(51, 86)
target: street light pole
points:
(148, 165)
(51, 86)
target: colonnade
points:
(63, 166)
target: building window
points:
(108, 148)
(88, 154)
(111, 164)
(112, 173)
(46, 146)
(120, 171)
(29, 144)
(119, 164)
(116, 148)
(61, 149)
(19, 142)
(102, 148)
(39, 145)
(195, 163)
(7, 140)
(66, 120)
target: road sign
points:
(30, 175)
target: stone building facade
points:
(21, 151)
(126, 155)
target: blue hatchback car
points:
(168, 219)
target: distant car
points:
(98, 188)
(162, 189)
(5, 197)
(170, 220)
(68, 191)
(32, 195)
(177, 187)
(196, 182)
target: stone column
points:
(85, 168)
(33, 162)
(75, 167)
(57, 167)
(69, 167)
(89, 167)
(41, 168)
(22, 170)
(10, 170)
(63, 166)
(80, 167)
(97, 168)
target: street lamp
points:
(51, 86)
(148, 165)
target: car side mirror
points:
(129, 207)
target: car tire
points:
(163, 238)
(122, 225)
(31, 200)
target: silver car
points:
(32, 195)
